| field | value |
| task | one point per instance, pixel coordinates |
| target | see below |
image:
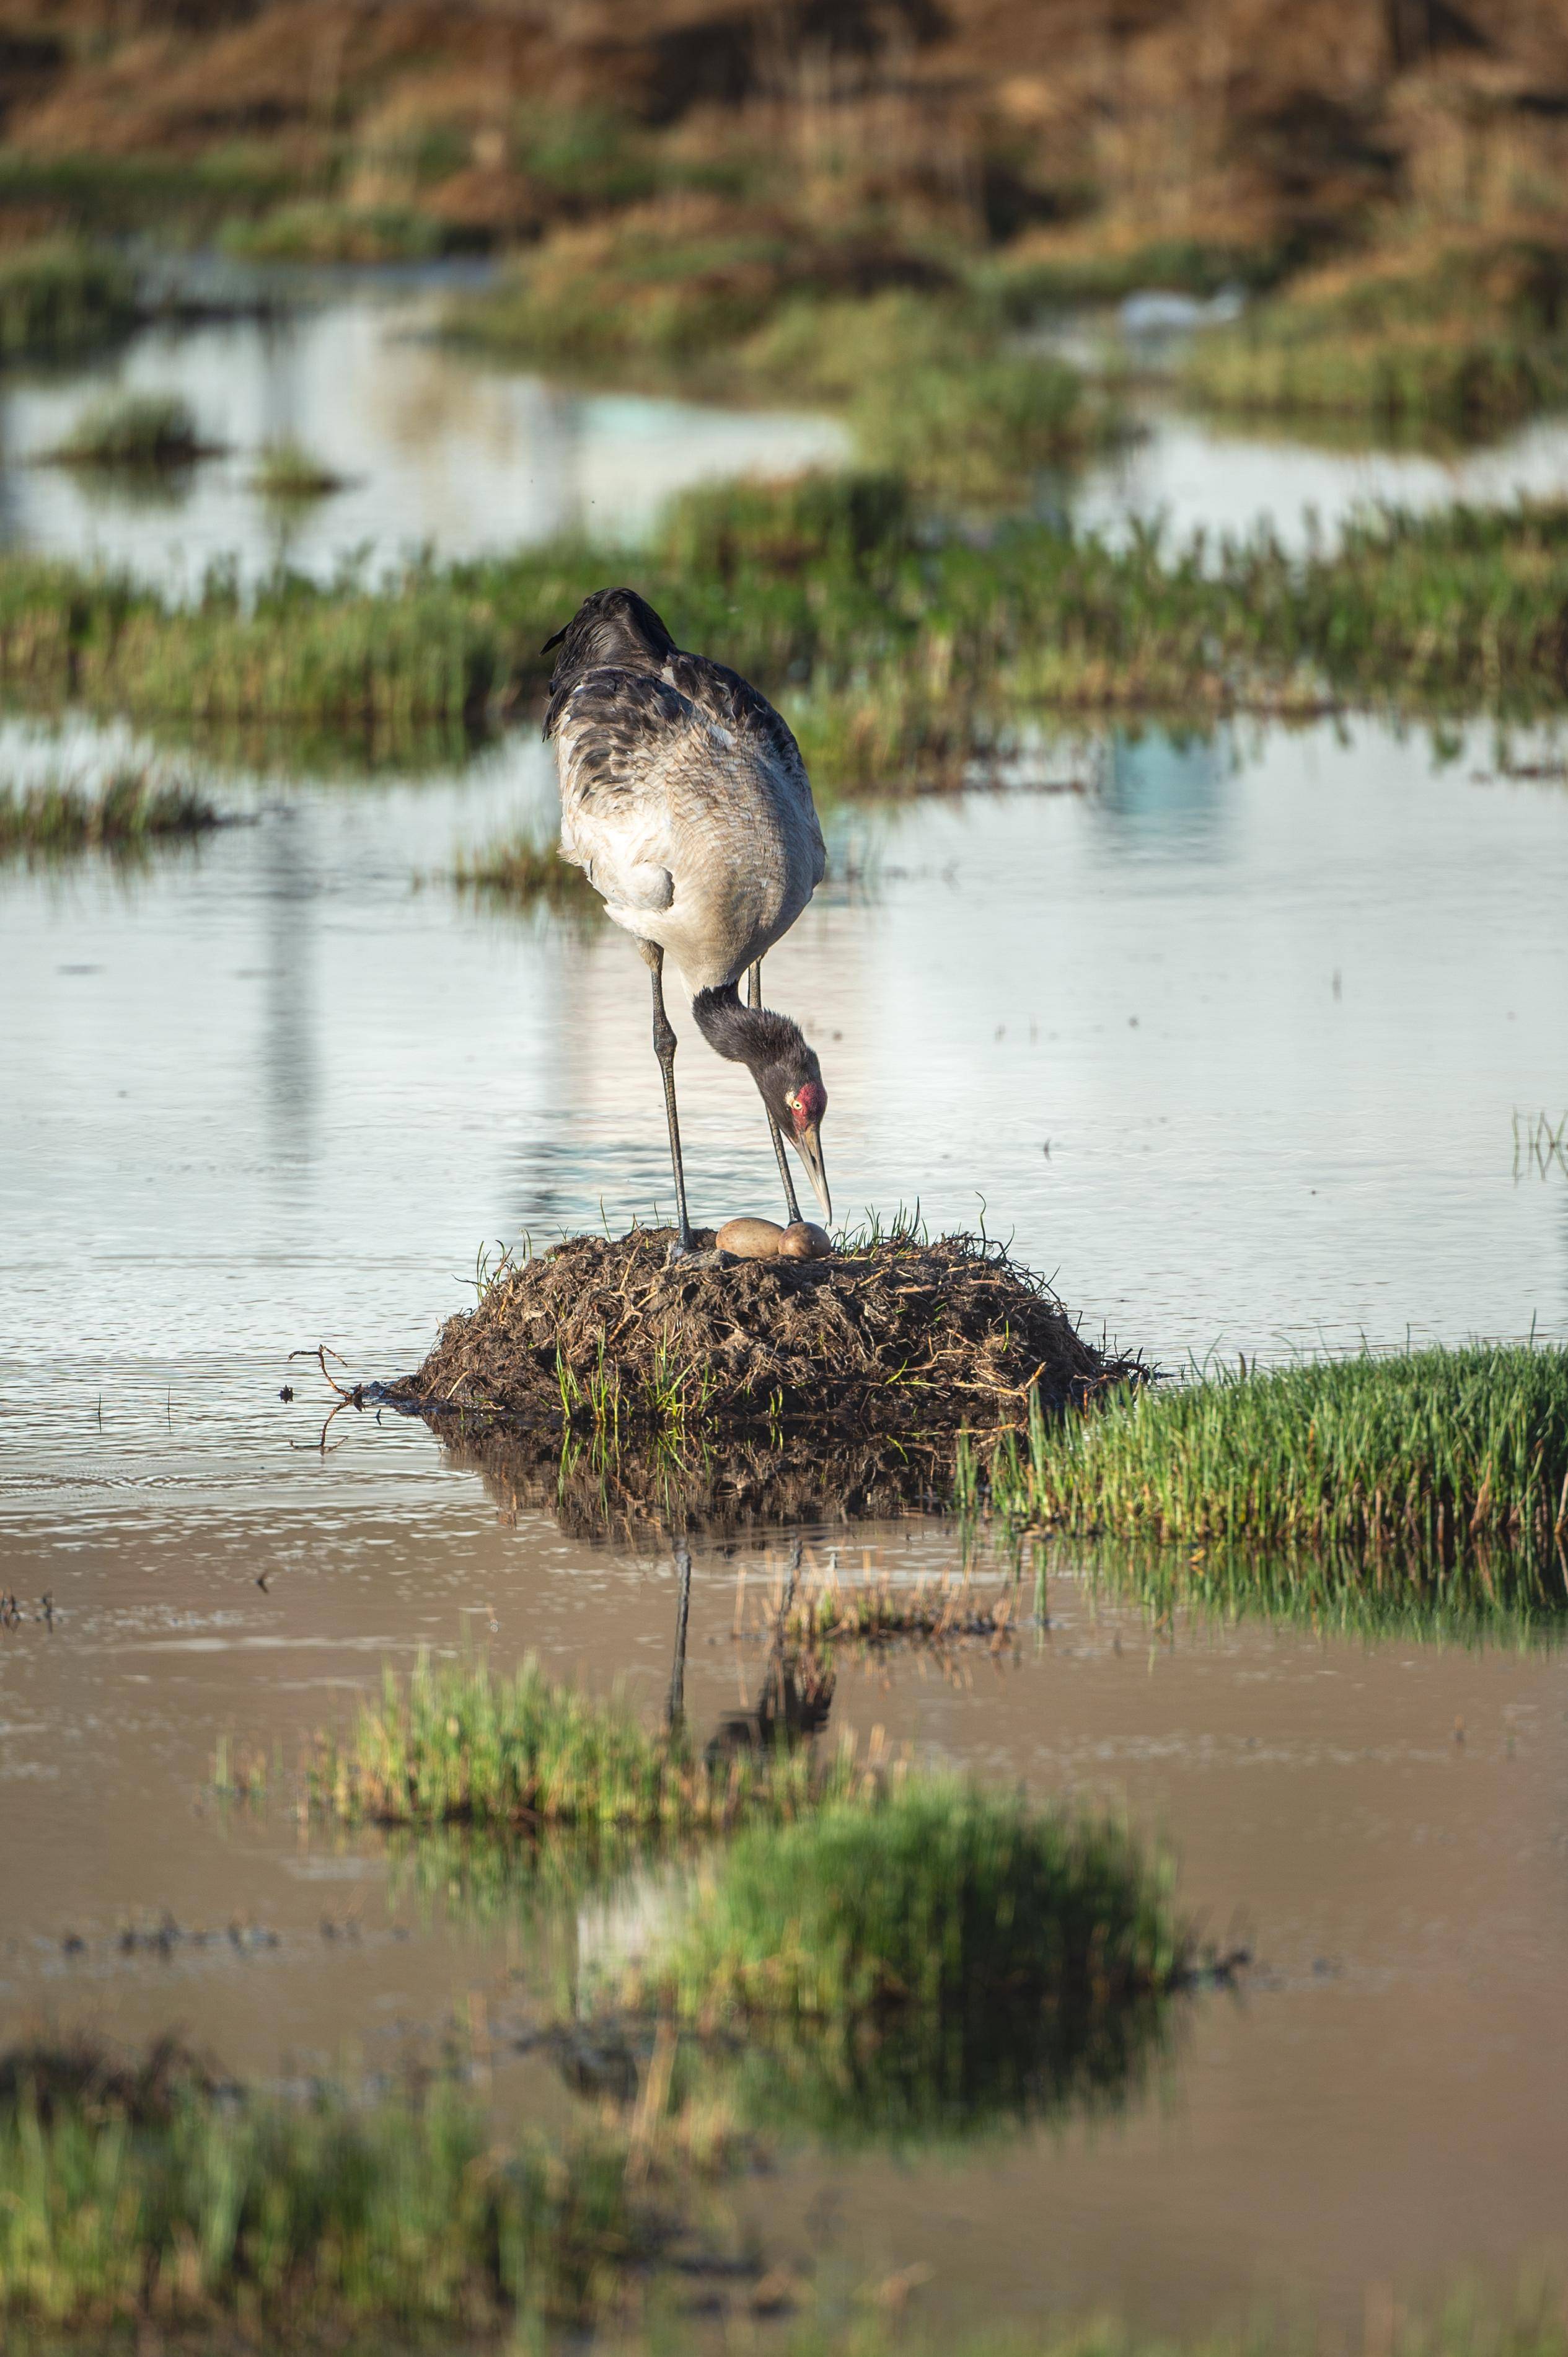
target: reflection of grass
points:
(519, 867)
(59, 297)
(457, 1743)
(1463, 337)
(1441, 1452)
(130, 430)
(130, 810)
(196, 2207)
(1492, 1597)
(920, 2076)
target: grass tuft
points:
(134, 430)
(129, 2196)
(933, 1896)
(286, 471)
(1438, 1451)
(59, 297)
(318, 230)
(457, 1743)
(129, 811)
(1461, 339)
(519, 867)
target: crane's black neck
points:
(753, 1036)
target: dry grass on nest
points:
(898, 1334)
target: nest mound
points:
(901, 1337)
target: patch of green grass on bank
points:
(106, 193)
(918, 360)
(521, 869)
(127, 2203)
(318, 230)
(128, 812)
(1462, 338)
(457, 1743)
(1436, 1451)
(901, 651)
(935, 1896)
(59, 297)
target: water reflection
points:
(435, 448)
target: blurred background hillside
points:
(1268, 131)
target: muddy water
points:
(1272, 1002)
(1383, 2099)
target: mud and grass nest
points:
(898, 1335)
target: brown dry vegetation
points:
(1254, 120)
(897, 1336)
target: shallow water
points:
(1273, 1001)
(435, 448)
(1196, 474)
(1229, 1035)
(1382, 2098)
(440, 449)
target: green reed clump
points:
(457, 1743)
(521, 867)
(318, 230)
(129, 810)
(1438, 1451)
(205, 2206)
(289, 473)
(933, 1895)
(58, 295)
(1463, 337)
(133, 430)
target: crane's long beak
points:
(808, 1145)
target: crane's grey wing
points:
(619, 734)
(735, 706)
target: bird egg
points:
(802, 1241)
(752, 1239)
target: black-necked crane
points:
(684, 798)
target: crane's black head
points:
(787, 1075)
(614, 630)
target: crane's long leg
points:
(754, 994)
(664, 1049)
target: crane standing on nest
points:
(684, 799)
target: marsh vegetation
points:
(124, 813)
(1436, 1452)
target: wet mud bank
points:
(898, 1338)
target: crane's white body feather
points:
(684, 799)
